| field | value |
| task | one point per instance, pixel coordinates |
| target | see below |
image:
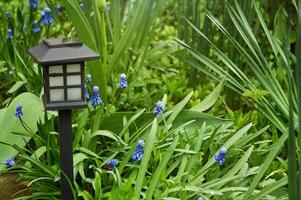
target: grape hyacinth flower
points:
(58, 9)
(10, 34)
(7, 15)
(112, 164)
(122, 82)
(46, 17)
(138, 153)
(82, 8)
(9, 162)
(220, 157)
(89, 78)
(159, 108)
(86, 93)
(95, 99)
(19, 112)
(33, 3)
(36, 27)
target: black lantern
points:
(63, 66)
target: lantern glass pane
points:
(73, 80)
(74, 94)
(56, 81)
(56, 95)
(56, 69)
(73, 68)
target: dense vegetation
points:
(190, 99)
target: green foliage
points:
(12, 130)
(253, 74)
(245, 46)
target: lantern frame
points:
(66, 103)
(62, 52)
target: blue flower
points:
(220, 157)
(86, 93)
(82, 8)
(33, 3)
(122, 82)
(10, 162)
(200, 198)
(10, 34)
(89, 78)
(223, 151)
(46, 17)
(58, 9)
(7, 15)
(159, 108)
(95, 99)
(19, 112)
(112, 164)
(36, 27)
(138, 153)
(10, 73)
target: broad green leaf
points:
(114, 121)
(33, 110)
(2, 113)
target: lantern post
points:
(63, 74)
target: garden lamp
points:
(63, 62)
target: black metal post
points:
(65, 132)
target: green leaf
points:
(97, 186)
(265, 165)
(16, 86)
(33, 110)
(270, 189)
(229, 143)
(78, 157)
(2, 113)
(162, 165)
(145, 160)
(114, 121)
(211, 99)
(177, 109)
(86, 195)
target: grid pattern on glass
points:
(65, 83)
(74, 94)
(57, 95)
(56, 69)
(73, 80)
(56, 81)
(73, 68)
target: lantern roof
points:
(61, 50)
